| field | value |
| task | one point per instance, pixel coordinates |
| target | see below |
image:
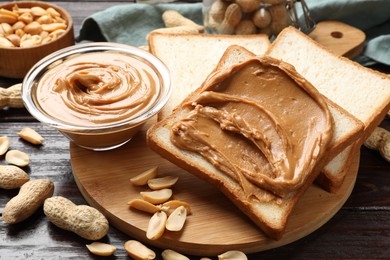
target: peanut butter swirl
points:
(259, 123)
(98, 88)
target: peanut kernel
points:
(176, 220)
(101, 249)
(4, 144)
(162, 182)
(169, 254)
(173, 204)
(17, 158)
(137, 250)
(156, 226)
(30, 135)
(157, 196)
(232, 255)
(142, 179)
(144, 206)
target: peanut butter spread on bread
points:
(260, 123)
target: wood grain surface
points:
(341, 38)
(359, 230)
(215, 226)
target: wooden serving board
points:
(215, 225)
(342, 39)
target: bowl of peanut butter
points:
(98, 95)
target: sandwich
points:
(258, 185)
(261, 192)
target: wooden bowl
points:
(17, 61)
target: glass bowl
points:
(98, 95)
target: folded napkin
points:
(130, 23)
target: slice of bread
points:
(191, 57)
(272, 216)
(333, 174)
(362, 92)
(345, 132)
(347, 129)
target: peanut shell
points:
(12, 177)
(83, 220)
(31, 196)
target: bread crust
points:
(158, 140)
(331, 181)
(382, 109)
(370, 114)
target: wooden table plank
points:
(357, 231)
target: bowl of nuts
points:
(29, 31)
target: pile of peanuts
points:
(28, 27)
(243, 17)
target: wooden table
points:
(360, 230)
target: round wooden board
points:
(215, 225)
(341, 38)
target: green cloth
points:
(130, 23)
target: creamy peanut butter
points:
(97, 88)
(260, 124)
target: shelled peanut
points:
(247, 16)
(167, 214)
(28, 27)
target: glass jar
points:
(243, 17)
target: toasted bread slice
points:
(272, 216)
(191, 58)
